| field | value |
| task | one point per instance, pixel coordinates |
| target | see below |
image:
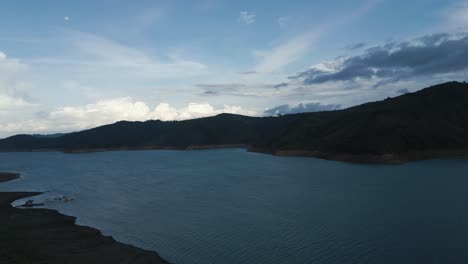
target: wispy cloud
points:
(355, 46)
(149, 17)
(250, 89)
(456, 16)
(286, 53)
(247, 17)
(92, 53)
(283, 21)
(291, 50)
(12, 80)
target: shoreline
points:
(47, 236)
(187, 148)
(384, 159)
(8, 176)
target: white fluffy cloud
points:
(103, 112)
(99, 113)
(27, 110)
(194, 110)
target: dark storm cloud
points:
(391, 62)
(301, 108)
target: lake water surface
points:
(232, 206)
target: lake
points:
(233, 206)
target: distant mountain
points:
(429, 123)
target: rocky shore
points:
(46, 236)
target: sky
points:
(72, 65)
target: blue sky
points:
(71, 65)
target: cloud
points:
(66, 18)
(22, 39)
(149, 17)
(108, 111)
(456, 16)
(91, 54)
(220, 86)
(301, 108)
(285, 53)
(246, 89)
(293, 49)
(9, 69)
(391, 62)
(101, 112)
(403, 91)
(72, 118)
(283, 21)
(13, 83)
(194, 110)
(213, 89)
(14, 103)
(248, 72)
(356, 46)
(247, 17)
(9, 103)
(281, 85)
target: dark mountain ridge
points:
(432, 122)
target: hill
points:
(432, 122)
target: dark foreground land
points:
(430, 123)
(46, 236)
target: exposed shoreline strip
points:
(387, 158)
(8, 176)
(47, 236)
